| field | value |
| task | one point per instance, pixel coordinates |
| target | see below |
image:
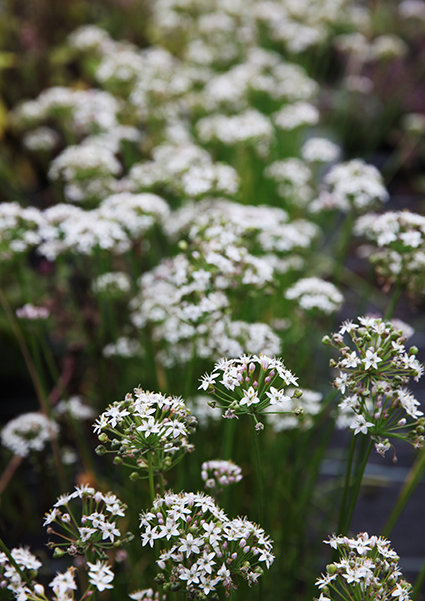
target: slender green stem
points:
(151, 478)
(344, 241)
(42, 399)
(83, 447)
(347, 480)
(356, 489)
(229, 438)
(189, 375)
(393, 301)
(259, 473)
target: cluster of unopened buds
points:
(367, 568)
(84, 522)
(219, 473)
(250, 384)
(203, 550)
(147, 430)
(373, 368)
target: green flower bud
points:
(331, 568)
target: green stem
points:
(151, 478)
(344, 499)
(189, 375)
(259, 474)
(229, 437)
(393, 301)
(356, 489)
(83, 448)
(42, 399)
(344, 240)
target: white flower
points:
(372, 359)
(190, 545)
(350, 360)
(250, 397)
(100, 575)
(207, 381)
(359, 424)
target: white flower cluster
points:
(84, 164)
(192, 219)
(250, 384)
(19, 229)
(412, 9)
(85, 520)
(203, 550)
(41, 139)
(89, 38)
(100, 575)
(160, 85)
(299, 24)
(112, 283)
(219, 32)
(14, 579)
(314, 294)
(267, 229)
(28, 432)
(123, 347)
(374, 367)
(297, 114)
(353, 185)
(190, 296)
(398, 250)
(219, 473)
(147, 594)
(366, 568)
(365, 50)
(75, 408)
(120, 221)
(263, 73)
(294, 179)
(78, 112)
(31, 312)
(146, 429)
(320, 150)
(19, 576)
(184, 169)
(250, 127)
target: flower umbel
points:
(85, 521)
(374, 367)
(250, 384)
(367, 568)
(203, 550)
(219, 473)
(146, 429)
